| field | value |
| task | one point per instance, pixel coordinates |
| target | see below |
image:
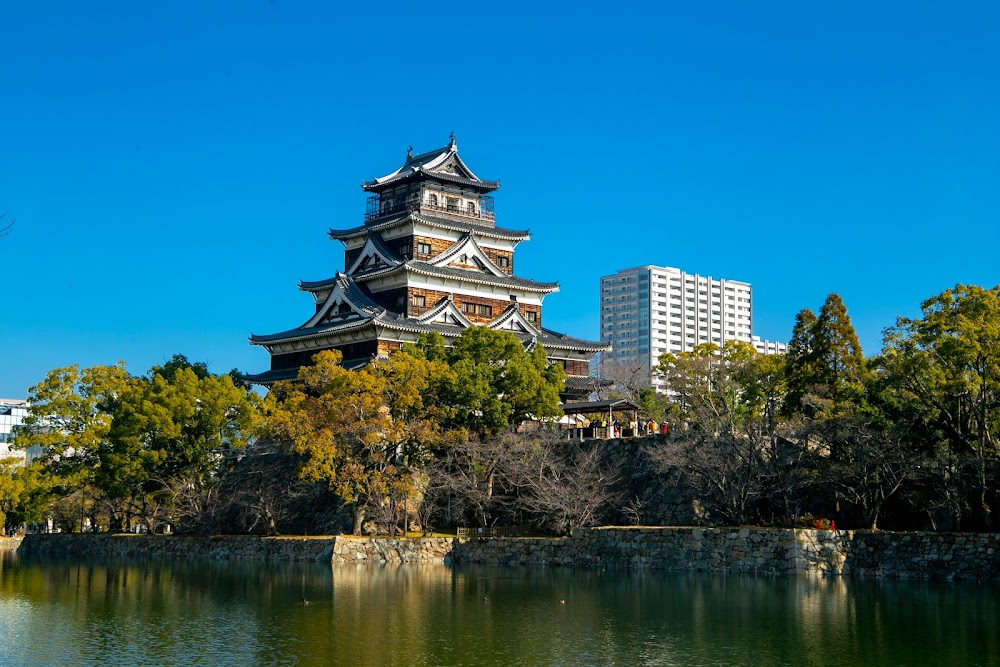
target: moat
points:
(80, 612)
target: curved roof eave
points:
(433, 220)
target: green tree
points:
(499, 383)
(801, 361)
(190, 423)
(709, 385)
(839, 371)
(71, 417)
(24, 494)
(339, 420)
(944, 371)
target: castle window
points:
(452, 204)
(418, 300)
(485, 310)
(469, 308)
(424, 248)
(503, 261)
(532, 316)
(400, 300)
(405, 249)
(472, 208)
(432, 199)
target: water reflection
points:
(237, 613)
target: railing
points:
(491, 531)
(478, 214)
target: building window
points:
(432, 199)
(472, 208)
(452, 204)
(469, 308)
(485, 310)
(532, 316)
(405, 249)
(503, 261)
(424, 248)
(418, 300)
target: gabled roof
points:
(512, 319)
(454, 224)
(445, 312)
(467, 245)
(467, 275)
(443, 164)
(374, 247)
(362, 310)
(443, 317)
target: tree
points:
(728, 397)
(499, 383)
(147, 447)
(340, 422)
(707, 383)
(873, 464)
(562, 483)
(24, 494)
(630, 377)
(944, 371)
(70, 417)
(801, 360)
(839, 370)
(193, 421)
(5, 229)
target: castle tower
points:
(428, 257)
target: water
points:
(220, 613)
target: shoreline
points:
(755, 551)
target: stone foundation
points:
(755, 551)
(9, 543)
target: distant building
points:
(649, 310)
(769, 346)
(12, 413)
(429, 257)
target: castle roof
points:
(451, 223)
(455, 273)
(442, 164)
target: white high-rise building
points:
(12, 413)
(649, 310)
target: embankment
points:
(758, 551)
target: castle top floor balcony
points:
(478, 209)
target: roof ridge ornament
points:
(409, 152)
(453, 146)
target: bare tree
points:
(465, 477)
(723, 469)
(562, 483)
(6, 229)
(873, 462)
(630, 377)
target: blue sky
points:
(173, 167)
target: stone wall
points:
(338, 549)
(391, 549)
(756, 551)
(9, 543)
(233, 547)
(766, 551)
